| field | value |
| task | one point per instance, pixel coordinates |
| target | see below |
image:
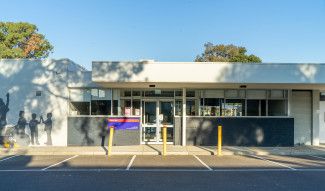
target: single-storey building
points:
(258, 104)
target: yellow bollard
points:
(219, 140)
(110, 140)
(164, 140)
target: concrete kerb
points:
(172, 150)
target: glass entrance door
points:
(149, 121)
(157, 113)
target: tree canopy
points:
(22, 40)
(226, 53)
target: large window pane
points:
(263, 107)
(136, 93)
(100, 107)
(115, 107)
(253, 107)
(190, 107)
(277, 108)
(79, 108)
(234, 107)
(178, 107)
(126, 107)
(190, 93)
(136, 107)
(211, 107)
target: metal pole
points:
(219, 140)
(110, 140)
(164, 140)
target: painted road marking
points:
(262, 158)
(131, 162)
(202, 162)
(53, 165)
(270, 161)
(8, 158)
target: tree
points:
(226, 53)
(22, 40)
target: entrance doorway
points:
(157, 113)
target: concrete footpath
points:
(171, 150)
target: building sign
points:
(124, 123)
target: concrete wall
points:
(22, 78)
(241, 131)
(92, 131)
(192, 72)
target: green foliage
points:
(226, 53)
(22, 40)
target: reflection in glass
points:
(166, 109)
(211, 106)
(150, 112)
(234, 107)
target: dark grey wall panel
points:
(241, 131)
(92, 131)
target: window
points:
(277, 108)
(233, 107)
(263, 107)
(136, 93)
(125, 93)
(190, 107)
(100, 102)
(178, 93)
(190, 93)
(79, 108)
(322, 96)
(253, 107)
(116, 110)
(38, 93)
(126, 107)
(100, 107)
(178, 107)
(79, 101)
(136, 107)
(211, 106)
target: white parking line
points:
(273, 162)
(59, 162)
(8, 158)
(202, 162)
(262, 158)
(131, 162)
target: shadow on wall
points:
(241, 131)
(116, 71)
(36, 87)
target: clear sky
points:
(174, 30)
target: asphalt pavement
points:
(189, 172)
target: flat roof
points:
(208, 72)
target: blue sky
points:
(175, 30)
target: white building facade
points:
(263, 104)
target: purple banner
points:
(124, 123)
